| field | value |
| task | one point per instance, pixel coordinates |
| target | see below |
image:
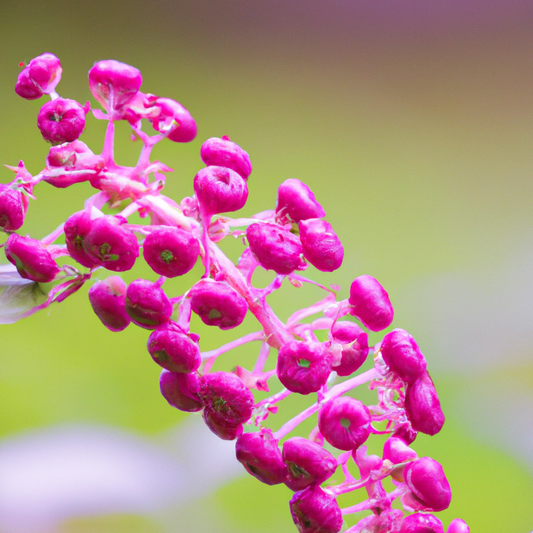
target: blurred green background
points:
(412, 124)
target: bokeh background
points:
(413, 124)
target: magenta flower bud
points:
(111, 245)
(355, 351)
(13, 208)
(297, 202)
(73, 158)
(108, 300)
(61, 120)
(402, 355)
(275, 248)
(171, 252)
(174, 350)
(179, 390)
(406, 433)
(314, 511)
(396, 451)
(421, 523)
(425, 477)
(308, 463)
(303, 367)
(147, 305)
(173, 119)
(32, 259)
(458, 526)
(422, 406)
(260, 456)
(321, 246)
(41, 76)
(371, 304)
(344, 422)
(224, 153)
(220, 190)
(217, 304)
(76, 229)
(228, 403)
(114, 83)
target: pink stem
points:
(276, 333)
(334, 392)
(262, 358)
(109, 141)
(256, 336)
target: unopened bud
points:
(32, 259)
(275, 248)
(174, 350)
(147, 305)
(308, 463)
(303, 367)
(224, 153)
(260, 456)
(371, 303)
(314, 511)
(61, 120)
(220, 190)
(41, 76)
(344, 422)
(297, 202)
(217, 304)
(108, 300)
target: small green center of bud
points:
(166, 256)
(297, 471)
(214, 314)
(104, 250)
(304, 363)
(345, 423)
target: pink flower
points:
(425, 477)
(421, 523)
(217, 304)
(170, 117)
(260, 456)
(297, 202)
(355, 346)
(308, 463)
(314, 511)
(61, 120)
(344, 422)
(147, 305)
(402, 355)
(275, 248)
(108, 300)
(179, 390)
(13, 207)
(321, 246)
(228, 403)
(422, 406)
(41, 76)
(114, 83)
(371, 303)
(303, 367)
(224, 153)
(174, 350)
(32, 259)
(220, 190)
(171, 252)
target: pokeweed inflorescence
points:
(286, 240)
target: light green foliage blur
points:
(416, 175)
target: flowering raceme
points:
(317, 358)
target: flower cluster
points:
(316, 352)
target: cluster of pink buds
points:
(316, 353)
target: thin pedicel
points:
(286, 240)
